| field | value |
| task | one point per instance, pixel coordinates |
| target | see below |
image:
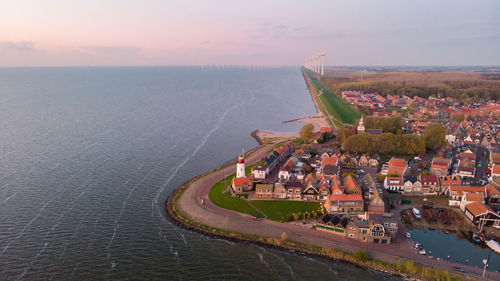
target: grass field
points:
(226, 201)
(278, 210)
(336, 106)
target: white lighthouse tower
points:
(240, 167)
(361, 126)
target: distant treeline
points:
(460, 90)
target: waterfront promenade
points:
(189, 204)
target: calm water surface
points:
(89, 155)
(457, 246)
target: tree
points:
(434, 136)
(306, 132)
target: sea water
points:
(89, 155)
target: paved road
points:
(190, 205)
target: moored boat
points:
(416, 212)
(494, 245)
(420, 249)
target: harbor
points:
(455, 247)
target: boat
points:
(476, 238)
(408, 235)
(420, 249)
(446, 231)
(416, 212)
(494, 245)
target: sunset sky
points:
(156, 32)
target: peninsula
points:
(338, 190)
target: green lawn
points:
(278, 210)
(225, 200)
(336, 106)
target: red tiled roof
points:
(474, 197)
(491, 190)
(477, 208)
(330, 161)
(398, 162)
(325, 129)
(429, 178)
(241, 181)
(469, 189)
(399, 179)
(495, 169)
(346, 197)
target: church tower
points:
(361, 126)
(240, 167)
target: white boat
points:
(494, 245)
(408, 235)
(416, 212)
(420, 249)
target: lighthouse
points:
(361, 126)
(240, 167)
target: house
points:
(280, 191)
(470, 198)
(440, 166)
(311, 190)
(394, 183)
(326, 130)
(358, 229)
(412, 185)
(389, 222)
(294, 190)
(465, 172)
(324, 192)
(493, 197)
(335, 224)
(477, 211)
(243, 184)
(329, 161)
(345, 204)
(447, 181)
(368, 185)
(455, 193)
(285, 172)
(430, 184)
(260, 172)
(264, 191)
(372, 230)
(364, 160)
(377, 204)
(330, 171)
(373, 163)
(397, 166)
(351, 186)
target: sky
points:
(237, 32)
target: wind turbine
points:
(322, 63)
